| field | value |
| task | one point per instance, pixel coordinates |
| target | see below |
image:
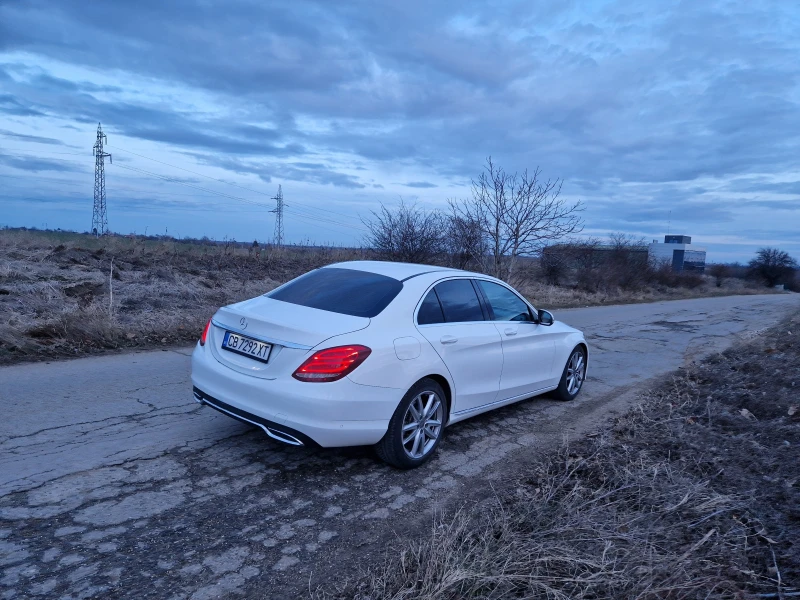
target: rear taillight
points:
(204, 335)
(332, 364)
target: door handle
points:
(510, 331)
(448, 339)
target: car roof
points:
(395, 270)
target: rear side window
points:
(430, 311)
(343, 291)
(506, 305)
(459, 301)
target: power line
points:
(133, 193)
(195, 187)
(241, 187)
(310, 218)
(61, 153)
(296, 205)
(99, 216)
(306, 213)
(309, 213)
(316, 223)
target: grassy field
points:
(66, 294)
(694, 494)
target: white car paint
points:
(473, 355)
(482, 365)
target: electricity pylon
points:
(278, 218)
(99, 216)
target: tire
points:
(570, 386)
(423, 429)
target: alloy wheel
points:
(422, 424)
(576, 372)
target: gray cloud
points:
(156, 123)
(586, 110)
(11, 106)
(35, 164)
(651, 106)
(317, 173)
(30, 138)
(762, 186)
(420, 184)
(771, 205)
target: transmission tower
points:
(278, 218)
(99, 217)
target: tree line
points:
(507, 216)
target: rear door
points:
(451, 318)
(528, 348)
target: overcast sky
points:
(658, 115)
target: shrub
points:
(773, 267)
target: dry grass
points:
(693, 495)
(552, 296)
(55, 300)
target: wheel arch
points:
(585, 347)
(448, 392)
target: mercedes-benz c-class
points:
(380, 353)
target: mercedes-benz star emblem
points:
(243, 323)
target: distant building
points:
(679, 252)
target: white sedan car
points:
(382, 353)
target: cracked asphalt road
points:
(115, 484)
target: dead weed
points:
(694, 494)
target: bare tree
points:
(518, 213)
(407, 233)
(465, 240)
(773, 266)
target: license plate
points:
(246, 346)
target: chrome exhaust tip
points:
(283, 437)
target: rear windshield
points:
(344, 291)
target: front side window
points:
(459, 301)
(506, 305)
(344, 291)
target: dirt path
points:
(116, 484)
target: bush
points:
(773, 267)
(719, 272)
(406, 234)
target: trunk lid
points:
(292, 330)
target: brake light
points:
(332, 364)
(204, 335)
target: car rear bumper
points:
(340, 413)
(273, 430)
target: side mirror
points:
(545, 317)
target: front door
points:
(528, 348)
